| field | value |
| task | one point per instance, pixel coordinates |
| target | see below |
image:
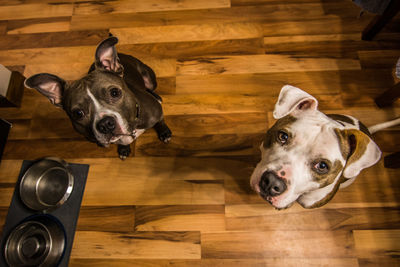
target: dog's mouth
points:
(122, 139)
(114, 138)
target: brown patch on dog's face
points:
(328, 197)
(272, 134)
(343, 143)
(328, 177)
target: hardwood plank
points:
(166, 85)
(219, 262)
(301, 39)
(53, 39)
(367, 262)
(45, 128)
(196, 48)
(231, 123)
(119, 6)
(25, 26)
(29, 11)
(379, 58)
(139, 245)
(226, 103)
(315, 83)
(28, 107)
(179, 33)
(3, 27)
(7, 191)
(20, 129)
(63, 148)
(53, 55)
(204, 218)
(261, 64)
(379, 243)
(190, 184)
(263, 217)
(277, 244)
(19, 2)
(19, 68)
(329, 45)
(9, 170)
(106, 219)
(34, 105)
(76, 55)
(189, 17)
(327, 25)
(221, 145)
(75, 70)
(43, 63)
(388, 141)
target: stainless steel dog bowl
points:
(38, 242)
(46, 185)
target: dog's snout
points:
(271, 185)
(106, 125)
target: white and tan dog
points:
(307, 155)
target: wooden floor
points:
(220, 66)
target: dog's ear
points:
(48, 85)
(148, 75)
(363, 152)
(107, 56)
(292, 99)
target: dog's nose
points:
(106, 125)
(271, 185)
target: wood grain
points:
(280, 244)
(53, 39)
(261, 64)
(316, 83)
(41, 25)
(107, 219)
(379, 243)
(129, 245)
(179, 33)
(29, 11)
(119, 6)
(219, 262)
(187, 49)
(204, 218)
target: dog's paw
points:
(124, 151)
(165, 135)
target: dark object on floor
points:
(385, 100)
(392, 161)
(389, 96)
(65, 217)
(5, 127)
(11, 87)
(386, 10)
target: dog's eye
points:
(283, 137)
(321, 167)
(78, 114)
(115, 93)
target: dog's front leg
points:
(163, 132)
(124, 151)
